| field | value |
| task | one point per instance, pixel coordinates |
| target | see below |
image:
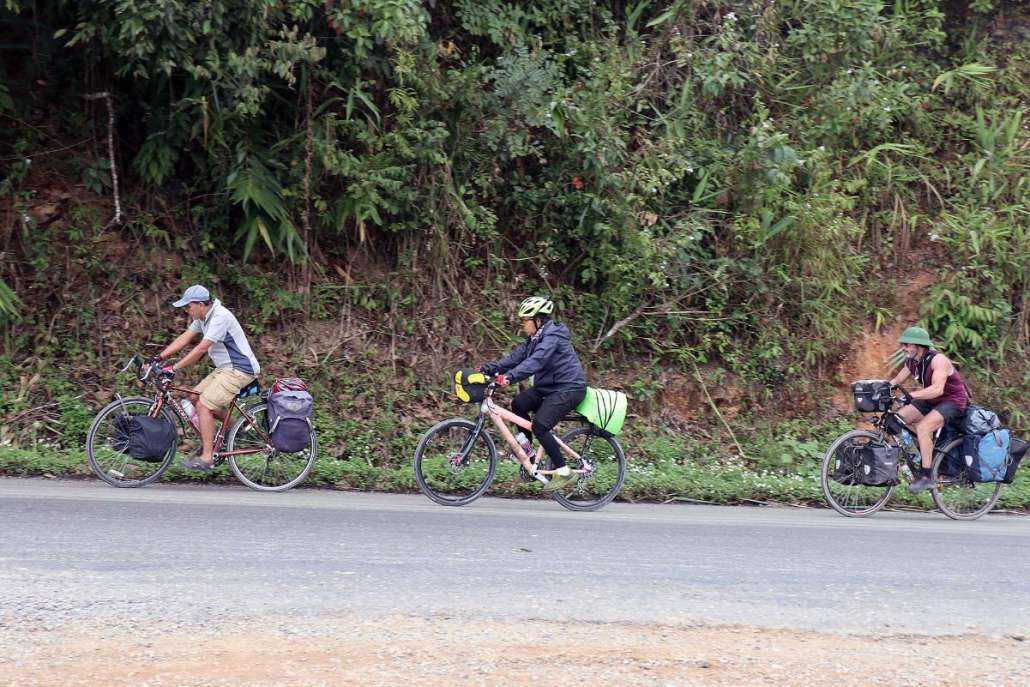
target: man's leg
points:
(910, 414)
(208, 418)
(913, 414)
(215, 399)
(925, 429)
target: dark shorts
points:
(947, 409)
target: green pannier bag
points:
(604, 409)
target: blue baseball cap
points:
(194, 294)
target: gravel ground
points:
(389, 650)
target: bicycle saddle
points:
(252, 389)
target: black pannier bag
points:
(879, 465)
(1017, 451)
(143, 438)
(847, 464)
(954, 462)
(871, 465)
(872, 395)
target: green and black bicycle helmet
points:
(534, 307)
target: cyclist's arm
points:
(942, 369)
(903, 374)
(545, 348)
(196, 354)
(180, 343)
(507, 362)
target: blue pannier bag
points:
(987, 455)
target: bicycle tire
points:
(301, 461)
(443, 471)
(825, 479)
(582, 486)
(946, 484)
(96, 457)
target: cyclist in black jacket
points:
(559, 383)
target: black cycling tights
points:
(548, 411)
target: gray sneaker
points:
(197, 464)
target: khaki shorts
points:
(219, 388)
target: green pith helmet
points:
(535, 306)
(916, 335)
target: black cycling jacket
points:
(548, 357)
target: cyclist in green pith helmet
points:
(943, 396)
(559, 383)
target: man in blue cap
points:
(221, 338)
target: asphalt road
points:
(87, 552)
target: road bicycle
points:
(244, 444)
(955, 495)
(456, 460)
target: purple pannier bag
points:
(289, 420)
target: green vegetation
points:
(723, 195)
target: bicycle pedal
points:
(525, 476)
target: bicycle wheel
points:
(853, 500)
(603, 459)
(452, 465)
(957, 496)
(111, 465)
(266, 469)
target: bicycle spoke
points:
(956, 495)
(105, 447)
(601, 468)
(841, 480)
(263, 467)
(449, 468)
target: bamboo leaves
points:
(257, 193)
(972, 73)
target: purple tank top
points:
(954, 387)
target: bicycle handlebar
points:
(904, 392)
(144, 368)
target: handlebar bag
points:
(143, 438)
(872, 395)
(470, 385)
(289, 420)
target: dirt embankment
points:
(872, 352)
(453, 651)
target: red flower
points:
(577, 183)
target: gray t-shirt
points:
(231, 348)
